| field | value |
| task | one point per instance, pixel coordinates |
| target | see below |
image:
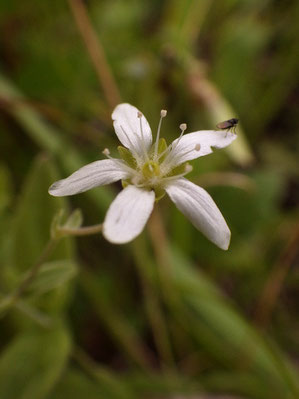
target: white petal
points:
(197, 205)
(95, 174)
(128, 214)
(196, 144)
(127, 127)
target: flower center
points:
(150, 169)
(155, 167)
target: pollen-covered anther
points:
(197, 147)
(106, 152)
(163, 113)
(183, 127)
(188, 168)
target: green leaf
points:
(74, 221)
(31, 232)
(53, 275)
(32, 364)
(75, 385)
(105, 384)
(227, 336)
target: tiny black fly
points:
(228, 125)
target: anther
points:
(106, 152)
(197, 147)
(163, 113)
(183, 127)
(188, 168)
(139, 114)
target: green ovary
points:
(150, 169)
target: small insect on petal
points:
(228, 125)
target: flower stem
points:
(82, 231)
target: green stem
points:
(103, 376)
(153, 308)
(120, 329)
(33, 271)
(96, 52)
(82, 231)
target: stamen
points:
(128, 169)
(164, 152)
(106, 152)
(172, 147)
(173, 159)
(188, 169)
(183, 126)
(139, 115)
(162, 115)
(197, 147)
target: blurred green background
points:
(169, 315)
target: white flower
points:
(148, 171)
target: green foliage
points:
(30, 228)
(52, 275)
(32, 363)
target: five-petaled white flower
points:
(147, 171)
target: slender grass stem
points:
(33, 271)
(100, 374)
(12, 299)
(274, 284)
(153, 308)
(95, 51)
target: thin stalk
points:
(161, 248)
(120, 329)
(40, 318)
(33, 272)
(154, 311)
(82, 231)
(274, 284)
(100, 374)
(95, 51)
(12, 299)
